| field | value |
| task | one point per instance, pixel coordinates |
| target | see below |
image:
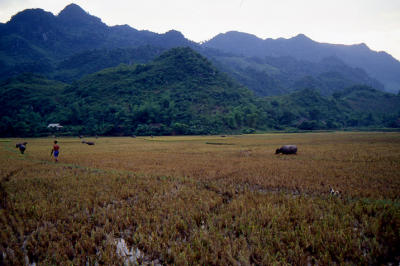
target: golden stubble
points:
(203, 199)
(357, 164)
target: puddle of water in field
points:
(133, 257)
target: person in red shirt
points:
(55, 151)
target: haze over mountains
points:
(309, 85)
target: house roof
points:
(55, 125)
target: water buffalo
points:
(88, 142)
(21, 146)
(287, 149)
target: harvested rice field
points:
(209, 200)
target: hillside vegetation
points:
(179, 92)
(268, 76)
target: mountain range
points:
(379, 65)
(179, 92)
(38, 41)
(95, 79)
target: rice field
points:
(210, 200)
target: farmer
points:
(21, 147)
(55, 151)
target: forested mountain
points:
(74, 30)
(269, 76)
(37, 41)
(378, 65)
(179, 92)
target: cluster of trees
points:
(357, 106)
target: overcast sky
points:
(374, 22)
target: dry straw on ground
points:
(203, 200)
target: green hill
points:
(179, 92)
(27, 103)
(307, 109)
(358, 106)
(367, 99)
(371, 107)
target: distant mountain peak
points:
(363, 46)
(235, 40)
(31, 16)
(301, 37)
(74, 15)
(72, 9)
(238, 34)
(174, 33)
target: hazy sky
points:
(374, 22)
